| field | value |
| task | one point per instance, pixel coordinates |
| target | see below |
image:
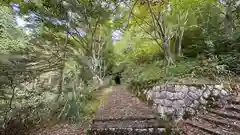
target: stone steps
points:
(127, 126)
(235, 108)
(125, 114)
(208, 128)
(218, 121)
(127, 123)
(127, 131)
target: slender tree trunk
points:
(12, 98)
(61, 82)
(10, 102)
(167, 52)
(178, 44)
(228, 22)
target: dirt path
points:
(122, 104)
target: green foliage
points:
(11, 37)
(72, 108)
(157, 71)
(232, 61)
(145, 76)
(137, 47)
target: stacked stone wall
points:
(176, 100)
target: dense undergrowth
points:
(76, 108)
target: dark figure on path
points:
(117, 79)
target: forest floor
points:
(59, 129)
(69, 129)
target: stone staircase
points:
(127, 126)
(124, 114)
(217, 121)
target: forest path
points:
(124, 112)
(123, 104)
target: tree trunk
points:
(167, 52)
(61, 82)
(11, 101)
(228, 22)
(178, 44)
(12, 98)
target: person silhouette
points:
(117, 78)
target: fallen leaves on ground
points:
(62, 129)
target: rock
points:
(169, 110)
(180, 112)
(170, 88)
(155, 89)
(192, 88)
(178, 87)
(182, 88)
(154, 105)
(193, 95)
(162, 95)
(158, 88)
(202, 107)
(178, 104)
(179, 95)
(199, 92)
(206, 93)
(192, 105)
(215, 92)
(219, 86)
(196, 103)
(167, 103)
(203, 101)
(187, 101)
(141, 130)
(203, 87)
(223, 93)
(151, 129)
(209, 87)
(156, 94)
(170, 96)
(191, 111)
(158, 101)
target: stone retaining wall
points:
(174, 101)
